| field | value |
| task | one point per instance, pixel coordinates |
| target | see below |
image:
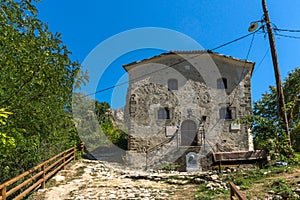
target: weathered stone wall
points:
(197, 96)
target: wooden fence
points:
(38, 175)
(235, 192)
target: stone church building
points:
(181, 108)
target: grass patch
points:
(245, 178)
(281, 187)
(204, 194)
(256, 183)
(170, 167)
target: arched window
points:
(163, 113)
(173, 84)
(222, 83)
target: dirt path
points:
(99, 180)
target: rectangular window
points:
(227, 113)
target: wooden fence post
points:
(231, 193)
(82, 148)
(39, 175)
(64, 160)
(235, 191)
(74, 153)
(44, 174)
(3, 192)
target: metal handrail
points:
(158, 146)
(161, 144)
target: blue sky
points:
(85, 24)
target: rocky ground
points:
(87, 179)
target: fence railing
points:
(158, 146)
(235, 192)
(38, 175)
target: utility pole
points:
(281, 104)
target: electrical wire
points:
(235, 40)
(286, 30)
(260, 62)
(287, 36)
(125, 82)
(137, 78)
(242, 74)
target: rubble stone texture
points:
(198, 98)
(103, 180)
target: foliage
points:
(295, 136)
(95, 124)
(271, 179)
(269, 136)
(3, 115)
(207, 194)
(170, 167)
(115, 135)
(296, 159)
(281, 187)
(110, 129)
(267, 130)
(6, 142)
(36, 80)
(243, 179)
(255, 182)
(102, 111)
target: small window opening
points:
(227, 113)
(163, 113)
(173, 84)
(222, 83)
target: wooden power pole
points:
(281, 104)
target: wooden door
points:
(188, 133)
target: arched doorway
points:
(188, 133)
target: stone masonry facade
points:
(184, 99)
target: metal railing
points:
(38, 174)
(158, 146)
(235, 192)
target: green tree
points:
(292, 94)
(108, 125)
(102, 111)
(36, 80)
(267, 131)
(6, 142)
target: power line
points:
(137, 78)
(242, 74)
(235, 40)
(263, 58)
(125, 82)
(287, 36)
(286, 30)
